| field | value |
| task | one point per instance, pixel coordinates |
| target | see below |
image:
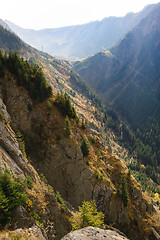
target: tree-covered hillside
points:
(127, 78)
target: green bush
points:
(21, 143)
(59, 198)
(87, 215)
(85, 147)
(29, 182)
(11, 195)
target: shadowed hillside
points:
(127, 78)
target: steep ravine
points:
(62, 163)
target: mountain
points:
(76, 42)
(52, 163)
(34, 137)
(127, 78)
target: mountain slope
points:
(127, 78)
(56, 153)
(76, 42)
(59, 157)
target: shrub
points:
(29, 182)
(21, 143)
(11, 195)
(59, 198)
(87, 216)
(88, 163)
(58, 137)
(93, 140)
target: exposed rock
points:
(155, 234)
(137, 194)
(143, 206)
(9, 149)
(151, 208)
(94, 234)
(71, 175)
(32, 233)
(56, 226)
(4, 112)
(20, 218)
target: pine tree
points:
(85, 147)
(68, 126)
(87, 216)
(83, 123)
(125, 197)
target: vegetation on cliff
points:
(27, 75)
(12, 194)
(78, 173)
(87, 215)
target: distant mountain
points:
(76, 42)
(128, 78)
(34, 134)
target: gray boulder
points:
(91, 233)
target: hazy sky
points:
(38, 14)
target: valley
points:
(76, 134)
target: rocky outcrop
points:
(155, 235)
(32, 233)
(91, 233)
(12, 159)
(62, 163)
(10, 155)
(21, 218)
(67, 172)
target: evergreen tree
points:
(2, 72)
(83, 123)
(87, 216)
(85, 147)
(11, 195)
(64, 103)
(68, 126)
(125, 197)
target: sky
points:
(39, 14)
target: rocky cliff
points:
(41, 203)
(59, 158)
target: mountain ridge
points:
(57, 154)
(72, 42)
(127, 78)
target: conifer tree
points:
(125, 196)
(85, 147)
(68, 126)
(83, 123)
(87, 216)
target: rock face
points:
(10, 155)
(61, 161)
(91, 233)
(12, 159)
(71, 175)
